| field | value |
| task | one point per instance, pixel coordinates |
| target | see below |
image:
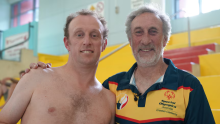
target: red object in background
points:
(15, 22)
(26, 18)
(26, 5)
(191, 49)
(15, 10)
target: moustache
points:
(149, 47)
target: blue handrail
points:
(29, 30)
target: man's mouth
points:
(146, 50)
(87, 51)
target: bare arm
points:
(9, 94)
(17, 104)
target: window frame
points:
(19, 14)
(177, 9)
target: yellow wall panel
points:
(211, 85)
(57, 61)
(54, 60)
(206, 42)
(120, 61)
(176, 46)
(180, 38)
(210, 64)
(109, 49)
(216, 114)
(205, 34)
(196, 35)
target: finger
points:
(42, 65)
(48, 65)
(33, 66)
(27, 70)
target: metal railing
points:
(115, 50)
(29, 30)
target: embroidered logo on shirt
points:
(169, 95)
(122, 101)
(167, 107)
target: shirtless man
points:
(70, 94)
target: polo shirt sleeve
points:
(105, 84)
(198, 110)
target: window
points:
(24, 12)
(210, 5)
(184, 8)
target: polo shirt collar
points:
(170, 80)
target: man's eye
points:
(152, 31)
(138, 32)
(79, 35)
(94, 35)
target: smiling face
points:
(85, 42)
(147, 40)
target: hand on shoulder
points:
(35, 66)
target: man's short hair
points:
(85, 12)
(150, 9)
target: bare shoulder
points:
(35, 76)
(39, 72)
(36, 73)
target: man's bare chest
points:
(66, 105)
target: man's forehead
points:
(82, 21)
(147, 19)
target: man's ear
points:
(164, 41)
(104, 44)
(66, 43)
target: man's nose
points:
(86, 40)
(146, 39)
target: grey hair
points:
(85, 12)
(150, 9)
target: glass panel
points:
(15, 10)
(188, 8)
(15, 22)
(26, 18)
(210, 5)
(37, 4)
(36, 14)
(26, 5)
